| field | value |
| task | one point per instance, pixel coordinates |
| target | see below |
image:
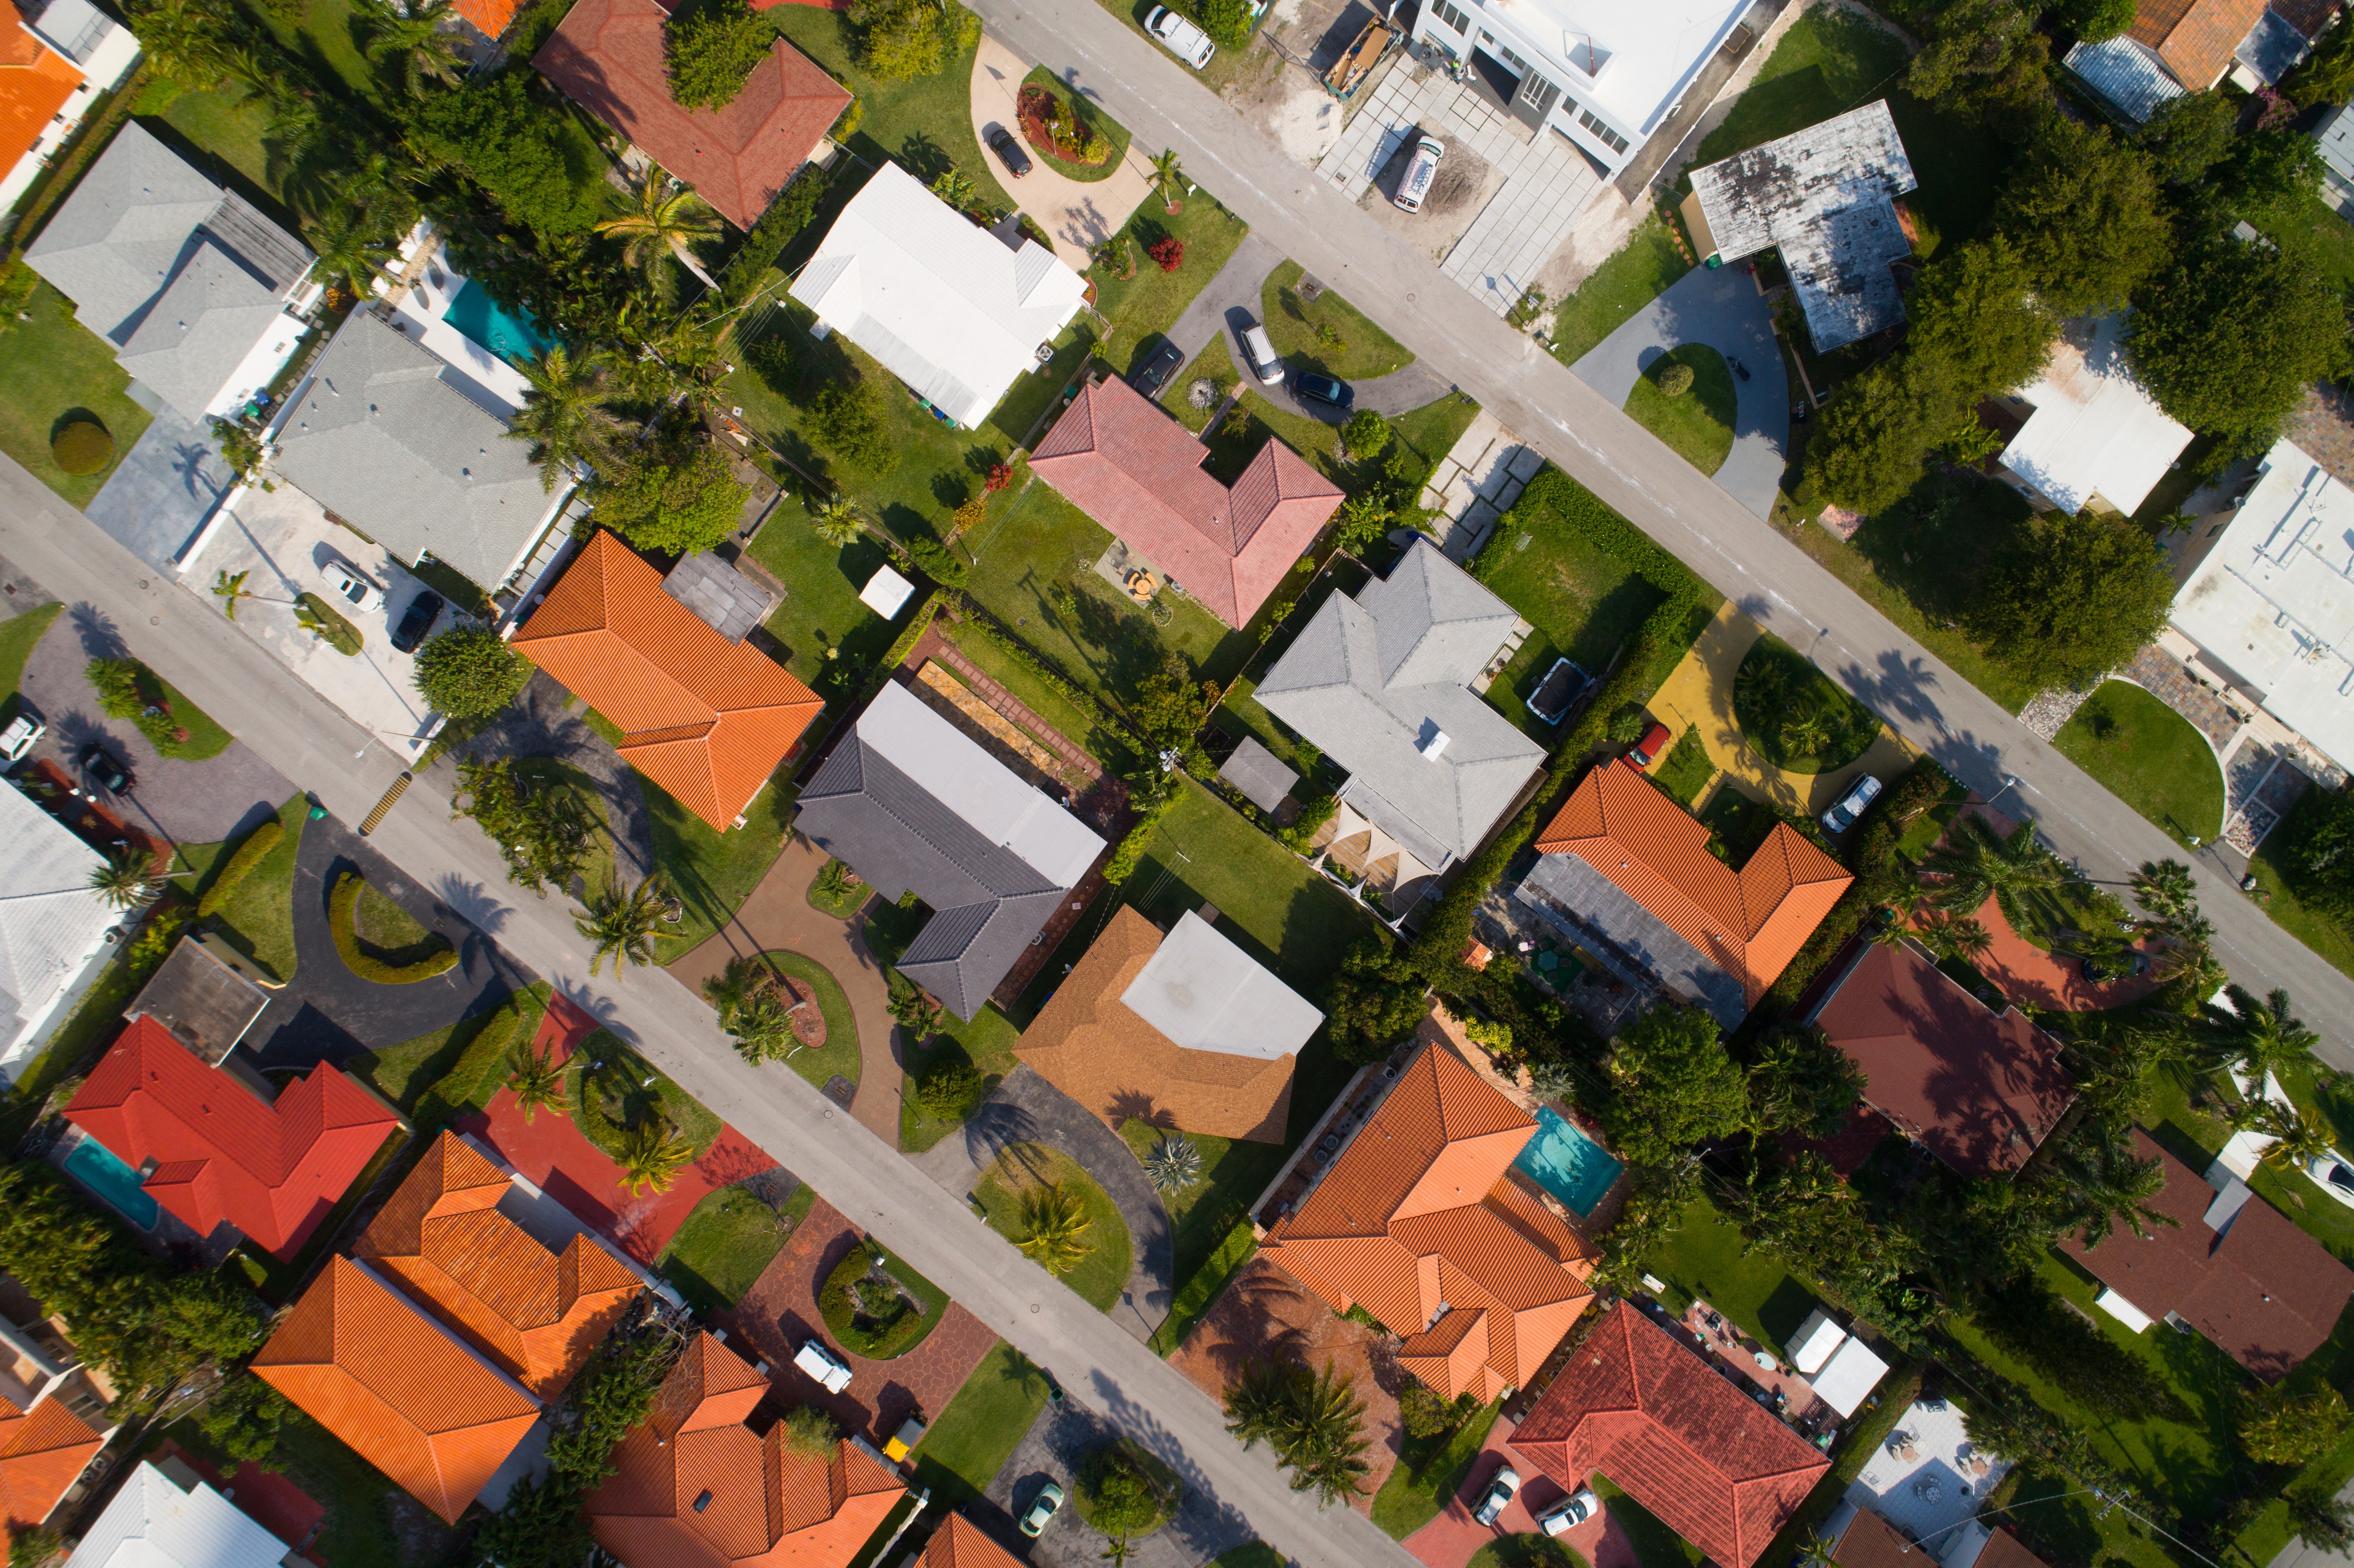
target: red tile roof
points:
(960, 1544)
(1420, 1221)
(35, 82)
(492, 17)
(1749, 923)
(2263, 1290)
(1638, 1405)
(609, 56)
(2195, 38)
(539, 1314)
(1136, 470)
(1981, 1090)
(707, 719)
(223, 1155)
(695, 1487)
(42, 1453)
(1871, 1542)
(398, 1389)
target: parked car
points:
(821, 1364)
(2117, 967)
(1850, 806)
(1570, 1512)
(1506, 1482)
(1041, 1507)
(1560, 689)
(1314, 388)
(416, 622)
(1008, 148)
(1186, 41)
(23, 734)
(1415, 185)
(350, 586)
(1155, 373)
(2334, 1175)
(1259, 349)
(105, 770)
(1654, 744)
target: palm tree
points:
(1173, 1165)
(763, 1027)
(563, 414)
(661, 227)
(1977, 863)
(2252, 1038)
(1958, 936)
(1805, 732)
(1259, 1401)
(1816, 1551)
(837, 881)
(651, 1154)
(127, 880)
(835, 520)
(417, 48)
(1324, 1439)
(184, 39)
(732, 986)
(623, 925)
(1169, 176)
(2102, 1184)
(954, 187)
(350, 250)
(230, 589)
(535, 1076)
(914, 1010)
(1054, 1221)
(2298, 1139)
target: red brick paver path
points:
(780, 1311)
(268, 1498)
(1450, 1539)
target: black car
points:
(1313, 388)
(416, 622)
(1009, 151)
(101, 768)
(1155, 373)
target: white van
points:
(1186, 41)
(1418, 175)
(1265, 362)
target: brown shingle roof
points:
(396, 1387)
(707, 719)
(1639, 1406)
(1133, 469)
(42, 1452)
(2308, 16)
(2263, 1290)
(1092, 1046)
(1749, 923)
(539, 1314)
(1871, 1542)
(1420, 1221)
(609, 56)
(2195, 38)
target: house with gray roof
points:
(1387, 684)
(909, 802)
(199, 292)
(2335, 135)
(389, 438)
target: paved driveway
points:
(165, 487)
(1078, 215)
(1065, 1435)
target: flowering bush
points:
(1053, 126)
(1168, 250)
(1001, 474)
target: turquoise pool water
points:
(1567, 1163)
(511, 335)
(96, 1168)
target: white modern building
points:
(55, 59)
(2092, 437)
(51, 923)
(166, 1516)
(1602, 73)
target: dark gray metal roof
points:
(722, 598)
(1254, 770)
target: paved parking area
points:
(165, 487)
(1477, 483)
(1065, 1435)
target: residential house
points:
(197, 293)
(1184, 1030)
(398, 1389)
(1864, 1540)
(2092, 437)
(1826, 198)
(960, 1544)
(1979, 1089)
(44, 1448)
(707, 719)
(1627, 873)
(165, 1516)
(535, 1313)
(200, 999)
(2176, 46)
(956, 311)
(1641, 1406)
(2335, 135)
(1386, 683)
(51, 923)
(1420, 1219)
(610, 56)
(2230, 1266)
(710, 1477)
(2279, 42)
(1122, 460)
(55, 59)
(912, 804)
(214, 1147)
(1604, 76)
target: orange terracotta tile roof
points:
(398, 1388)
(223, 1154)
(1639, 1406)
(960, 1544)
(1091, 1045)
(492, 17)
(1421, 1220)
(2195, 38)
(42, 1453)
(695, 1487)
(1749, 923)
(707, 719)
(35, 82)
(536, 1313)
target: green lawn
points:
(1142, 307)
(1241, 709)
(1100, 1276)
(1614, 290)
(2331, 236)
(1360, 351)
(1060, 713)
(222, 122)
(1533, 1551)
(712, 872)
(258, 919)
(2316, 928)
(544, 772)
(1777, 691)
(1685, 771)
(628, 1091)
(2149, 757)
(1655, 1545)
(985, 1044)
(839, 1054)
(726, 1244)
(1428, 1471)
(1209, 1222)
(60, 370)
(1706, 1257)
(843, 907)
(1088, 113)
(402, 1073)
(18, 635)
(970, 1442)
(821, 608)
(1699, 423)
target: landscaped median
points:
(1039, 1199)
(378, 939)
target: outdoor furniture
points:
(1765, 1362)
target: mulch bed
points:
(809, 1019)
(1040, 111)
(95, 824)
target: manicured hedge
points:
(786, 216)
(342, 910)
(249, 854)
(462, 1085)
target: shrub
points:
(711, 49)
(249, 854)
(880, 1321)
(938, 562)
(1229, 22)
(1429, 1414)
(342, 914)
(1001, 474)
(786, 216)
(969, 515)
(950, 1090)
(1168, 250)
(899, 39)
(1367, 435)
(83, 447)
(849, 422)
(514, 148)
(1116, 1496)
(468, 672)
(1676, 380)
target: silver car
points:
(347, 585)
(1570, 1512)
(1851, 805)
(1500, 1489)
(1259, 349)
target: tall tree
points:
(1873, 441)
(350, 244)
(1675, 1085)
(1973, 864)
(1978, 313)
(469, 672)
(2254, 1035)
(650, 1155)
(624, 926)
(2229, 338)
(2187, 135)
(126, 879)
(563, 415)
(659, 226)
(414, 46)
(1982, 57)
(186, 40)
(835, 520)
(535, 1076)
(2065, 601)
(1375, 1000)
(1801, 1083)
(712, 48)
(2097, 21)
(2083, 210)
(2103, 1185)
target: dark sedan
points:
(103, 768)
(1009, 151)
(416, 622)
(1313, 388)
(1153, 374)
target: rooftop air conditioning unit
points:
(1431, 747)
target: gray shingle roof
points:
(1569, 892)
(199, 330)
(1373, 678)
(382, 435)
(1254, 770)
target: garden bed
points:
(1084, 141)
(876, 1306)
(1792, 714)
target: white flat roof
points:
(2274, 601)
(1631, 61)
(1849, 1377)
(885, 592)
(1817, 1338)
(2094, 430)
(155, 1523)
(51, 921)
(953, 768)
(1206, 994)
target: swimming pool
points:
(511, 335)
(1567, 1163)
(95, 1167)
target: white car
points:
(23, 734)
(1265, 362)
(2334, 1174)
(1506, 1482)
(1842, 817)
(1570, 1512)
(1186, 41)
(823, 1366)
(350, 586)
(1418, 175)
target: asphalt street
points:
(1768, 577)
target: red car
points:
(1655, 741)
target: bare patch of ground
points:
(1600, 232)
(1462, 189)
